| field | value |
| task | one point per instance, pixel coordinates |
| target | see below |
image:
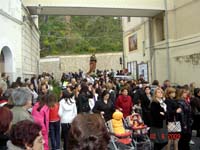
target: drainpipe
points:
(123, 52)
(167, 42)
(123, 56)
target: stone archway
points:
(6, 61)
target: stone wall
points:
(30, 45)
(10, 37)
(73, 63)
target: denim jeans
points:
(54, 131)
(65, 131)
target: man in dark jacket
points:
(195, 105)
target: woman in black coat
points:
(195, 105)
(146, 100)
(104, 106)
(173, 114)
(83, 99)
(158, 114)
(186, 120)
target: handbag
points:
(174, 127)
(158, 135)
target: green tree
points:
(79, 35)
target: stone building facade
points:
(19, 40)
(168, 42)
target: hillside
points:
(65, 35)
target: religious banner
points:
(93, 62)
(132, 42)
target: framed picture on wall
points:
(129, 66)
(143, 70)
(132, 68)
(132, 42)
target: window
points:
(129, 19)
(159, 28)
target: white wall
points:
(22, 38)
(12, 7)
(184, 44)
(10, 32)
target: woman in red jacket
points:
(124, 103)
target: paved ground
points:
(196, 146)
(196, 140)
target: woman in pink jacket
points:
(40, 113)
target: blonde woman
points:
(158, 131)
(173, 112)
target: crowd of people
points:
(31, 113)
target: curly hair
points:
(24, 132)
(88, 132)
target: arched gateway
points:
(6, 61)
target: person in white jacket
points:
(67, 112)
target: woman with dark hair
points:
(186, 120)
(40, 113)
(76, 90)
(97, 90)
(104, 106)
(83, 99)
(155, 84)
(67, 112)
(25, 135)
(88, 132)
(195, 105)
(146, 100)
(5, 124)
(124, 103)
(33, 92)
(18, 81)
